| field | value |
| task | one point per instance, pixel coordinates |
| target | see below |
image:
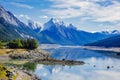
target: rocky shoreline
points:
(10, 73)
(51, 61)
(36, 56)
(28, 54)
(28, 74)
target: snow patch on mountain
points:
(53, 23)
(110, 32)
(35, 25)
(7, 16)
(23, 35)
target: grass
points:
(18, 62)
(5, 51)
(29, 66)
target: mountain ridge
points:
(52, 32)
(113, 41)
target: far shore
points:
(114, 49)
(50, 46)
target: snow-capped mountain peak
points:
(35, 25)
(57, 22)
(54, 23)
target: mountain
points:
(113, 32)
(11, 27)
(57, 32)
(7, 25)
(36, 26)
(113, 41)
(52, 32)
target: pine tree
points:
(1, 44)
(34, 44)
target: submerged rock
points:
(118, 54)
(108, 67)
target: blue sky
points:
(88, 15)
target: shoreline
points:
(52, 61)
(112, 49)
(19, 57)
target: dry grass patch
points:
(5, 51)
(15, 51)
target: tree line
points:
(21, 43)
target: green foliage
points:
(1, 44)
(27, 44)
(6, 73)
(32, 44)
(30, 66)
(15, 43)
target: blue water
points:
(94, 69)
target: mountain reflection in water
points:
(96, 67)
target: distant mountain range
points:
(58, 32)
(113, 41)
(52, 32)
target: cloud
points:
(44, 17)
(82, 8)
(22, 5)
(24, 16)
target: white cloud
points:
(89, 8)
(22, 5)
(44, 17)
(24, 16)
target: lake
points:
(100, 65)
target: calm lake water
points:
(94, 69)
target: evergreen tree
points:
(18, 43)
(1, 44)
(33, 44)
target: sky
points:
(88, 15)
